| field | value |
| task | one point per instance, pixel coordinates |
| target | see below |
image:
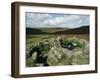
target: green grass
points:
(32, 40)
(35, 39)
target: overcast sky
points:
(53, 20)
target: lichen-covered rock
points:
(60, 51)
(34, 55)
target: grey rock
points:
(58, 55)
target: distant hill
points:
(80, 30)
(34, 31)
(52, 30)
(43, 30)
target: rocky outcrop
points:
(60, 51)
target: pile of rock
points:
(58, 51)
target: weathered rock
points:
(54, 54)
(34, 55)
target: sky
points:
(55, 20)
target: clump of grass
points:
(77, 42)
(29, 62)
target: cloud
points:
(56, 20)
(34, 19)
(68, 21)
(36, 16)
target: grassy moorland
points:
(33, 40)
(57, 46)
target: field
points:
(34, 40)
(54, 39)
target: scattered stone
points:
(60, 51)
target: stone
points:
(34, 55)
(54, 54)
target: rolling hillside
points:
(80, 30)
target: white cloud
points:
(36, 15)
(34, 19)
(56, 20)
